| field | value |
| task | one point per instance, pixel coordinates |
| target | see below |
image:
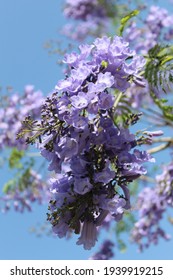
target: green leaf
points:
(167, 110)
(166, 54)
(125, 19)
(15, 157)
(121, 227)
(9, 186)
(25, 180)
(122, 246)
(159, 68)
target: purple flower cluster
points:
(92, 18)
(152, 203)
(94, 157)
(81, 9)
(107, 63)
(15, 108)
(165, 184)
(156, 28)
(105, 252)
(158, 20)
(96, 18)
(30, 188)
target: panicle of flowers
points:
(159, 21)
(15, 108)
(165, 184)
(28, 189)
(157, 27)
(92, 18)
(94, 157)
(80, 9)
(105, 252)
(152, 204)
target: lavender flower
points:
(105, 252)
(92, 18)
(88, 236)
(14, 110)
(79, 131)
(152, 203)
(80, 9)
(156, 28)
(165, 184)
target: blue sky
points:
(25, 25)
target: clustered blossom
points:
(30, 188)
(92, 18)
(158, 20)
(15, 108)
(165, 184)
(94, 158)
(105, 252)
(111, 66)
(81, 9)
(157, 27)
(152, 203)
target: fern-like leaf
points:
(159, 69)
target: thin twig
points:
(147, 179)
(117, 99)
(158, 148)
(163, 139)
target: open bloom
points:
(88, 236)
